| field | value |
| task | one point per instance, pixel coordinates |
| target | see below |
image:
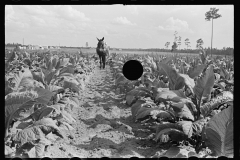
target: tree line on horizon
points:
(209, 16)
(215, 51)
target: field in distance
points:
(93, 51)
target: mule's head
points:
(100, 43)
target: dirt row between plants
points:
(104, 125)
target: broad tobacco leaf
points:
(198, 126)
(144, 110)
(214, 103)
(205, 84)
(196, 71)
(46, 129)
(39, 76)
(192, 128)
(163, 95)
(44, 95)
(47, 125)
(224, 73)
(177, 81)
(121, 80)
(171, 73)
(136, 106)
(186, 127)
(49, 75)
(29, 83)
(14, 102)
(54, 61)
(8, 150)
(184, 80)
(20, 78)
(71, 85)
(28, 135)
(43, 112)
(22, 125)
(27, 73)
(154, 112)
(70, 79)
(159, 84)
(177, 152)
(182, 111)
(135, 93)
(12, 56)
(62, 62)
(37, 151)
(172, 130)
(27, 61)
(67, 69)
(219, 133)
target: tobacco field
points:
(62, 105)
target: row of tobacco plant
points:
(187, 101)
(40, 91)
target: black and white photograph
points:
(119, 81)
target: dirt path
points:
(104, 126)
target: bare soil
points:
(104, 126)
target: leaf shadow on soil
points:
(111, 122)
(128, 148)
(136, 139)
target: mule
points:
(102, 51)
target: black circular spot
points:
(46, 158)
(75, 158)
(105, 158)
(164, 158)
(133, 158)
(132, 70)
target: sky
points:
(122, 26)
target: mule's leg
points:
(100, 57)
(104, 61)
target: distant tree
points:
(167, 44)
(199, 44)
(175, 36)
(179, 41)
(174, 46)
(210, 15)
(187, 42)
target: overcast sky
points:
(131, 26)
